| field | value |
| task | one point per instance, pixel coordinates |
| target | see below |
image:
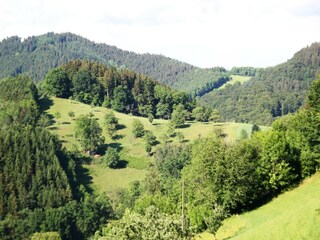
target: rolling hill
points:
(36, 55)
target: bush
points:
(111, 158)
(137, 128)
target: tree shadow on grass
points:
(121, 126)
(84, 178)
(118, 137)
(45, 103)
(102, 149)
(117, 146)
(186, 125)
(121, 164)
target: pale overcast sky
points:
(204, 33)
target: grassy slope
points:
(235, 79)
(132, 152)
(291, 215)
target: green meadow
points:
(235, 79)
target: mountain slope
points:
(292, 215)
(273, 92)
(36, 55)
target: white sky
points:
(204, 33)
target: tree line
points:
(122, 90)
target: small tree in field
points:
(57, 115)
(137, 128)
(71, 114)
(88, 133)
(180, 137)
(111, 123)
(255, 128)
(150, 117)
(111, 159)
(178, 116)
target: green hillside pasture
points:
(105, 179)
(233, 130)
(132, 149)
(235, 79)
(292, 215)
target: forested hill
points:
(36, 55)
(272, 92)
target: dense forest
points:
(36, 55)
(271, 92)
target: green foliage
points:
(86, 88)
(30, 164)
(151, 225)
(120, 98)
(38, 178)
(178, 116)
(244, 71)
(88, 133)
(171, 159)
(180, 137)
(150, 140)
(150, 117)
(201, 114)
(15, 89)
(111, 158)
(277, 162)
(313, 97)
(214, 115)
(46, 236)
(123, 90)
(71, 114)
(18, 101)
(244, 134)
(220, 178)
(137, 128)
(111, 123)
(57, 83)
(255, 128)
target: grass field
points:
(235, 79)
(132, 149)
(292, 215)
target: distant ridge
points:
(272, 92)
(36, 55)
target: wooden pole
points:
(182, 206)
